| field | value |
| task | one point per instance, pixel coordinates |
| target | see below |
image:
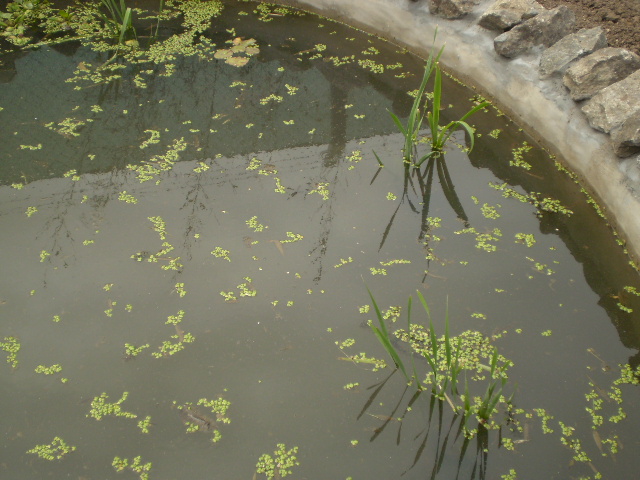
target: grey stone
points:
(626, 139)
(614, 105)
(557, 57)
(602, 68)
(451, 9)
(544, 29)
(505, 14)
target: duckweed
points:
(131, 350)
(378, 271)
(56, 450)
(52, 370)
(280, 464)
(169, 348)
(127, 198)
(135, 465)
(255, 225)
(220, 252)
(343, 262)
(11, 346)
(101, 408)
(144, 424)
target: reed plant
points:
(420, 109)
(447, 359)
(382, 334)
(441, 134)
(495, 385)
(444, 368)
(411, 130)
(443, 357)
(119, 21)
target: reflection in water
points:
(439, 429)
(424, 180)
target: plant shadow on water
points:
(438, 432)
(185, 231)
(424, 180)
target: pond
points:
(186, 251)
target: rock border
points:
(528, 83)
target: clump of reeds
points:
(120, 20)
(447, 358)
(420, 109)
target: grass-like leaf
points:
(378, 159)
(383, 337)
(444, 356)
(439, 134)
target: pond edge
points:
(543, 108)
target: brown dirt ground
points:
(620, 19)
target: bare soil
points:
(620, 19)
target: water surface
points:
(304, 169)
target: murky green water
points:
(302, 166)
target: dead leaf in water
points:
(180, 333)
(278, 246)
(598, 440)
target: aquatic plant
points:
(120, 21)
(321, 189)
(107, 26)
(518, 154)
(411, 130)
(11, 346)
(180, 290)
(169, 348)
(343, 262)
(149, 169)
(253, 223)
(53, 369)
(382, 334)
(439, 134)
(127, 197)
(135, 465)
(239, 53)
(292, 237)
(280, 465)
(229, 296)
(19, 17)
(175, 319)
(101, 408)
(447, 357)
(131, 351)
(144, 424)
(57, 449)
(196, 421)
(512, 475)
(444, 369)
(246, 288)
(155, 138)
(220, 252)
(545, 204)
(488, 403)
